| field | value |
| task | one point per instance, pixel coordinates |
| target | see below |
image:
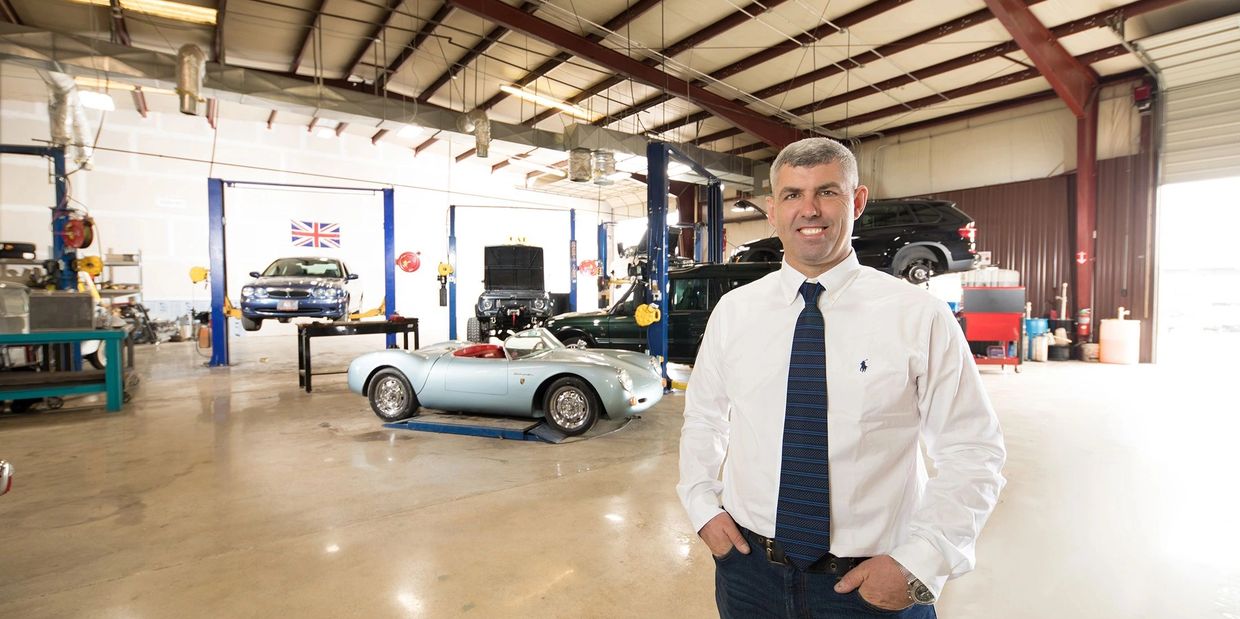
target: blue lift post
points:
(452, 275)
(572, 259)
(658, 155)
(219, 264)
(602, 250)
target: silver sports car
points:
(531, 375)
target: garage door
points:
(1202, 131)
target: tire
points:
(391, 397)
(917, 265)
(22, 406)
(473, 330)
(571, 406)
(251, 324)
(576, 341)
(97, 359)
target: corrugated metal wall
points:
(1026, 227)
(1124, 272)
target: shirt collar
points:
(833, 281)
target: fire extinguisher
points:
(1082, 324)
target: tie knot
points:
(810, 292)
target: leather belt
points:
(828, 564)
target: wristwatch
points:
(918, 592)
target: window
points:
(883, 215)
(689, 295)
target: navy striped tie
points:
(803, 517)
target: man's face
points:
(812, 210)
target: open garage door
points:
(1199, 263)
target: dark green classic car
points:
(694, 292)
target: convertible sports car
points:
(531, 375)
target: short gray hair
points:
(810, 152)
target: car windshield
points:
(528, 342)
(304, 267)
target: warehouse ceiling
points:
(727, 75)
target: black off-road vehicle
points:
(514, 295)
(911, 239)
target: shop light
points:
(409, 131)
(163, 8)
(534, 97)
(534, 165)
(96, 100)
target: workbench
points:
(26, 385)
(306, 332)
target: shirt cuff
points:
(701, 509)
(923, 560)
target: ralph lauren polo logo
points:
(864, 367)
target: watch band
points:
(918, 592)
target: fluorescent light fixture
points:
(534, 165)
(567, 108)
(162, 8)
(96, 100)
(409, 131)
(325, 132)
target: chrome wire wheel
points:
(391, 397)
(570, 406)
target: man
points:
(812, 389)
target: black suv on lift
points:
(693, 293)
(912, 239)
(514, 295)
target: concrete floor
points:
(230, 493)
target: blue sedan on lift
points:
(298, 287)
(532, 374)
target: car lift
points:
(572, 260)
(219, 270)
(657, 159)
(508, 428)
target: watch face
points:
(922, 594)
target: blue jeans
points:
(749, 587)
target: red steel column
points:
(1086, 202)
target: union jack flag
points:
(315, 234)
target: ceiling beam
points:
(1097, 20)
(271, 119)
(213, 113)
(120, 33)
(373, 38)
(972, 89)
(473, 53)
(717, 28)
(374, 139)
(217, 43)
(9, 14)
(309, 38)
(1075, 82)
(340, 127)
(619, 21)
(903, 44)
(496, 11)
(417, 150)
(409, 50)
(807, 38)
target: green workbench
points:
(61, 383)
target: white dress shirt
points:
(898, 370)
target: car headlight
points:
(540, 304)
(626, 381)
(260, 293)
(247, 291)
(487, 304)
